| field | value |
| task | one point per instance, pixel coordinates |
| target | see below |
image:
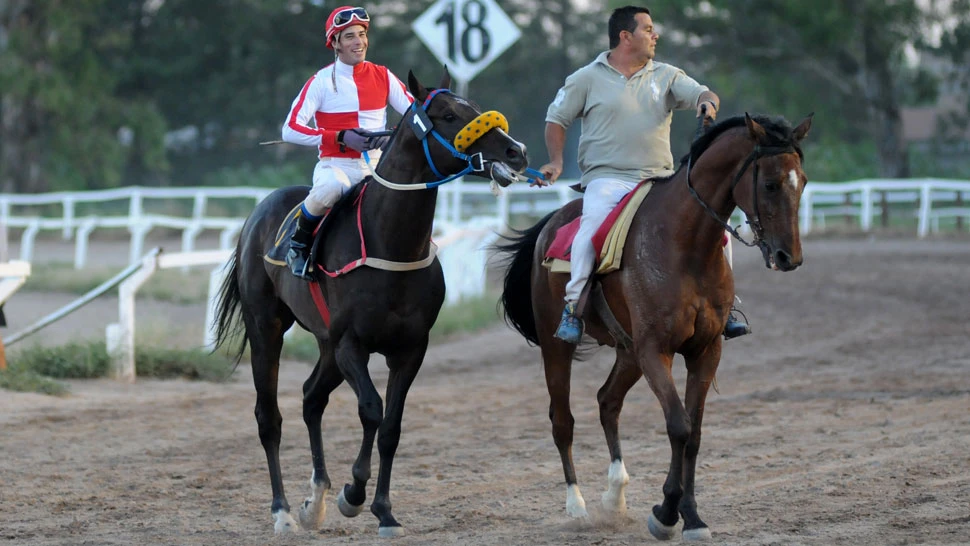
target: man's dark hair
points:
(624, 19)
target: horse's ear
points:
(414, 86)
(802, 130)
(755, 129)
(445, 80)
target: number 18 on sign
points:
(466, 35)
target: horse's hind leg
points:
(403, 370)
(623, 376)
(266, 342)
(352, 360)
(316, 395)
(557, 359)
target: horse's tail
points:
(226, 309)
(517, 293)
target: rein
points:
(755, 222)
(422, 126)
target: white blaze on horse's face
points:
(793, 179)
(517, 143)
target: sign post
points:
(466, 36)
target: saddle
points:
(608, 241)
(276, 255)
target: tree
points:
(62, 124)
(846, 57)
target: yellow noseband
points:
(477, 128)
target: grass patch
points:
(36, 369)
(24, 380)
(466, 317)
(172, 285)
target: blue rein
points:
(476, 162)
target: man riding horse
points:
(626, 100)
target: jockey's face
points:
(351, 44)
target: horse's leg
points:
(403, 370)
(700, 374)
(352, 359)
(266, 341)
(316, 394)
(623, 376)
(656, 368)
(557, 357)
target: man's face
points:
(645, 37)
(351, 44)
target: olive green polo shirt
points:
(626, 122)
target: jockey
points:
(346, 100)
(626, 100)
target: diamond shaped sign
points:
(466, 35)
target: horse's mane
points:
(778, 132)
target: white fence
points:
(461, 205)
(928, 200)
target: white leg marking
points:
(793, 178)
(575, 504)
(314, 508)
(284, 523)
(614, 500)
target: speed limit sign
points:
(466, 35)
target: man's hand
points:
(707, 110)
(550, 171)
(361, 140)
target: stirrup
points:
(299, 263)
(736, 327)
(570, 327)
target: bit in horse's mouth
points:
(502, 173)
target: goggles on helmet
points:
(344, 17)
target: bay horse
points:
(364, 311)
(671, 295)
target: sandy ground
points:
(845, 419)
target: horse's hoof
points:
(347, 509)
(575, 503)
(284, 523)
(312, 513)
(701, 533)
(391, 531)
(659, 530)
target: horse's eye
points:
(449, 117)
(772, 185)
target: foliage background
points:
(104, 93)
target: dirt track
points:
(844, 419)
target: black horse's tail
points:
(517, 293)
(229, 299)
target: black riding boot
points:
(735, 327)
(298, 256)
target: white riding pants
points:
(335, 176)
(600, 198)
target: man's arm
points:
(555, 143)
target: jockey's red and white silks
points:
(360, 99)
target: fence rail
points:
(934, 203)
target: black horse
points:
(387, 307)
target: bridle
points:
(755, 221)
(422, 126)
